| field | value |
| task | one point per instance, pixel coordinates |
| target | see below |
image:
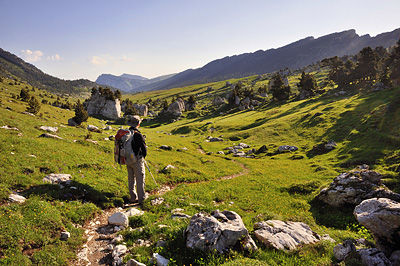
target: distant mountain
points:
(295, 55)
(11, 64)
(127, 82)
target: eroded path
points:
(100, 234)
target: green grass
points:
(272, 186)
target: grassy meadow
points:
(364, 125)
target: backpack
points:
(123, 152)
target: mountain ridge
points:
(11, 64)
(294, 55)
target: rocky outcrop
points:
(382, 217)
(352, 187)
(217, 101)
(176, 108)
(142, 109)
(219, 231)
(100, 105)
(284, 235)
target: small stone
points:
(65, 235)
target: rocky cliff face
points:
(99, 105)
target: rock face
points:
(355, 186)
(284, 235)
(99, 105)
(219, 231)
(382, 217)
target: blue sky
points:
(73, 39)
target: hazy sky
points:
(74, 39)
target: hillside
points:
(14, 67)
(270, 185)
(295, 55)
(127, 82)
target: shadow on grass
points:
(338, 218)
(72, 191)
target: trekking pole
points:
(151, 174)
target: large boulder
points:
(219, 231)
(177, 107)
(284, 235)
(142, 109)
(100, 105)
(382, 217)
(218, 100)
(119, 218)
(352, 187)
(373, 257)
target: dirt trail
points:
(99, 233)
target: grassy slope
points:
(365, 126)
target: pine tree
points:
(33, 106)
(81, 114)
(308, 84)
(278, 89)
(24, 95)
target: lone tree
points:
(278, 89)
(33, 106)
(367, 65)
(307, 85)
(24, 95)
(80, 113)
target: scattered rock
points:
(65, 235)
(286, 148)
(119, 218)
(324, 147)
(10, 128)
(27, 113)
(382, 217)
(157, 201)
(119, 250)
(373, 256)
(92, 128)
(262, 149)
(92, 141)
(179, 215)
(284, 235)
(134, 212)
(133, 262)
(46, 135)
(341, 251)
(16, 198)
(211, 139)
(72, 123)
(355, 186)
(219, 231)
(158, 260)
(49, 129)
(57, 178)
(166, 147)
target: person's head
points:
(134, 121)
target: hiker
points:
(136, 171)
